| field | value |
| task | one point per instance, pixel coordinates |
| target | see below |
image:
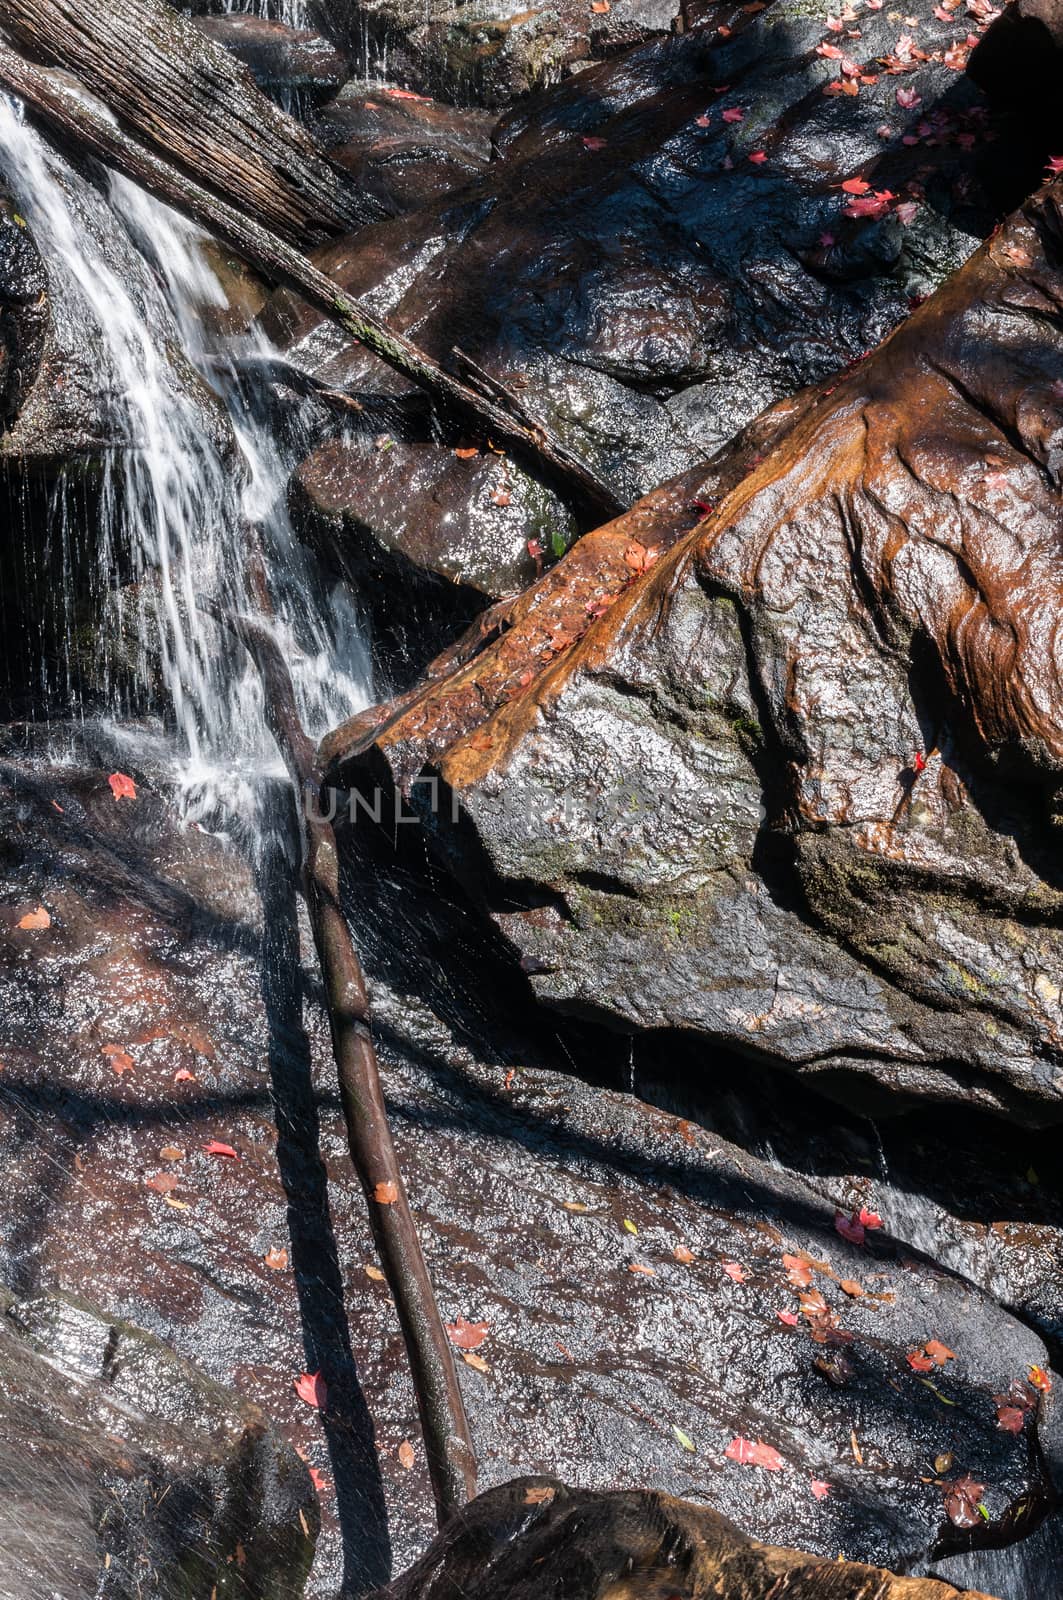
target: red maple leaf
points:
(855, 186)
(754, 1453)
(820, 1489)
(870, 205)
(122, 786)
(311, 1387)
(789, 1317)
(733, 114)
(733, 1270)
(850, 1228)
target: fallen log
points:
(444, 1426)
(196, 106)
(500, 416)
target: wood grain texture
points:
(192, 102)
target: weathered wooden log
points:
(194, 104)
(444, 1426)
(500, 416)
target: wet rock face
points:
(490, 52)
(535, 1537)
(23, 314)
(463, 514)
(406, 149)
(601, 1340)
(284, 62)
(664, 247)
(126, 1471)
(795, 790)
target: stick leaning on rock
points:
(444, 1426)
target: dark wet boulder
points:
(536, 1537)
(405, 148)
(631, 1267)
(796, 788)
(292, 65)
(126, 1471)
(397, 515)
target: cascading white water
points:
(293, 13)
(179, 496)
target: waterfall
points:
(179, 495)
(293, 13)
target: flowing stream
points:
(197, 475)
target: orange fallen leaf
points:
(317, 1478)
(467, 1335)
(118, 1059)
(1040, 1379)
(798, 1271)
(162, 1182)
(214, 1147)
(733, 1270)
(182, 1075)
(467, 455)
(276, 1259)
(385, 1194)
(636, 1266)
(476, 1361)
(790, 1318)
(407, 1455)
(850, 1287)
(33, 921)
(170, 1152)
(920, 1362)
(375, 1273)
(311, 1387)
(122, 786)
(939, 1353)
(682, 1254)
(600, 7)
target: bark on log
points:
(197, 106)
(444, 1426)
(501, 416)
